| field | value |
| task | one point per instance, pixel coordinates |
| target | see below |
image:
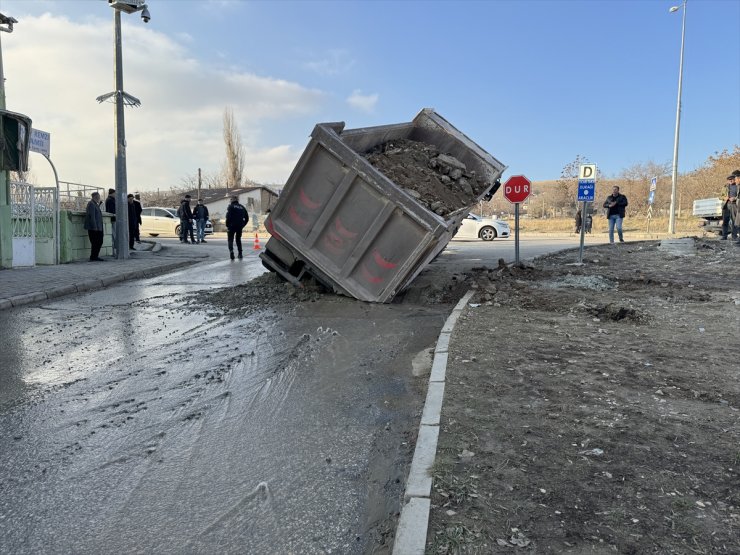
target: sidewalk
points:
(21, 286)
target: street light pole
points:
(120, 98)
(674, 177)
(120, 150)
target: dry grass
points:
(636, 224)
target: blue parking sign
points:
(586, 190)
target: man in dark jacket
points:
(201, 218)
(615, 203)
(94, 226)
(186, 220)
(236, 219)
(139, 209)
(133, 221)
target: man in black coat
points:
(94, 226)
(139, 209)
(615, 203)
(133, 221)
(236, 219)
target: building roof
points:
(221, 193)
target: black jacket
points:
(200, 212)
(185, 212)
(236, 217)
(110, 204)
(621, 201)
(133, 218)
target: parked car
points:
(488, 229)
(157, 221)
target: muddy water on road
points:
(142, 419)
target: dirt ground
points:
(595, 408)
(439, 181)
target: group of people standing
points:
(94, 221)
(236, 219)
(189, 216)
(730, 215)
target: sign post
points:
(651, 200)
(586, 194)
(516, 191)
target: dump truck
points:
(710, 211)
(343, 222)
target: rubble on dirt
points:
(601, 402)
(439, 181)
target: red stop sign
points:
(516, 188)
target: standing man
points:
(201, 218)
(94, 226)
(236, 219)
(186, 220)
(729, 208)
(139, 209)
(579, 220)
(615, 203)
(133, 222)
(110, 207)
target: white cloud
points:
(57, 68)
(364, 102)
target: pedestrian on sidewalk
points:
(94, 226)
(139, 210)
(615, 203)
(236, 219)
(589, 223)
(201, 218)
(579, 220)
(133, 222)
(186, 220)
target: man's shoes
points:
(240, 256)
(98, 259)
(198, 242)
(204, 241)
(131, 248)
(231, 254)
(621, 240)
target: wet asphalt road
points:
(133, 421)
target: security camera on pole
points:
(121, 98)
(586, 194)
(516, 191)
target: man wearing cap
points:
(729, 208)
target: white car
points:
(164, 221)
(488, 229)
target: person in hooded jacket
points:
(236, 219)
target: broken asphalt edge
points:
(411, 532)
(89, 285)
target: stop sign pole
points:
(516, 191)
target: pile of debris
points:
(439, 181)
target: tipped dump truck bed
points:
(352, 228)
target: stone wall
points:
(74, 242)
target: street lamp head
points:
(673, 9)
(145, 14)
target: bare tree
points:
(235, 154)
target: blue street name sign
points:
(586, 190)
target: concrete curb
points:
(411, 532)
(90, 285)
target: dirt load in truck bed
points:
(437, 180)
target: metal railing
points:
(75, 196)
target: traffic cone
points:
(257, 242)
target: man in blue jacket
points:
(236, 219)
(615, 203)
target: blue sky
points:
(533, 82)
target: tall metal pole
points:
(674, 179)
(516, 233)
(120, 151)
